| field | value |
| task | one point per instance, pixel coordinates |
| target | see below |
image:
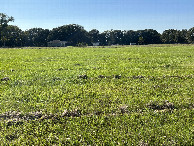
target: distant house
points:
(56, 43)
(132, 43)
(96, 44)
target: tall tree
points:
(150, 36)
(74, 34)
(94, 35)
(107, 38)
(4, 20)
(36, 37)
(103, 37)
(13, 36)
(190, 35)
(169, 36)
(131, 36)
(118, 37)
(111, 37)
(181, 36)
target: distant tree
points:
(94, 35)
(103, 37)
(118, 37)
(150, 36)
(111, 37)
(130, 36)
(4, 20)
(181, 36)
(169, 36)
(166, 37)
(13, 36)
(190, 35)
(107, 38)
(141, 40)
(36, 37)
(74, 34)
(172, 36)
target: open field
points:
(140, 95)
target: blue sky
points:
(101, 14)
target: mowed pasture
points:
(130, 95)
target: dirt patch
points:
(117, 76)
(60, 69)
(101, 76)
(123, 109)
(167, 66)
(18, 118)
(138, 77)
(164, 106)
(56, 79)
(151, 78)
(82, 77)
(74, 113)
(143, 143)
(10, 137)
(14, 115)
(5, 79)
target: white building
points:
(96, 44)
(56, 43)
(132, 43)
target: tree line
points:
(76, 35)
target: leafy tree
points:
(118, 37)
(103, 37)
(172, 36)
(94, 35)
(190, 35)
(107, 38)
(111, 37)
(74, 34)
(4, 20)
(77, 34)
(181, 36)
(13, 36)
(141, 40)
(130, 37)
(150, 36)
(169, 36)
(36, 37)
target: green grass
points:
(150, 103)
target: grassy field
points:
(135, 95)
